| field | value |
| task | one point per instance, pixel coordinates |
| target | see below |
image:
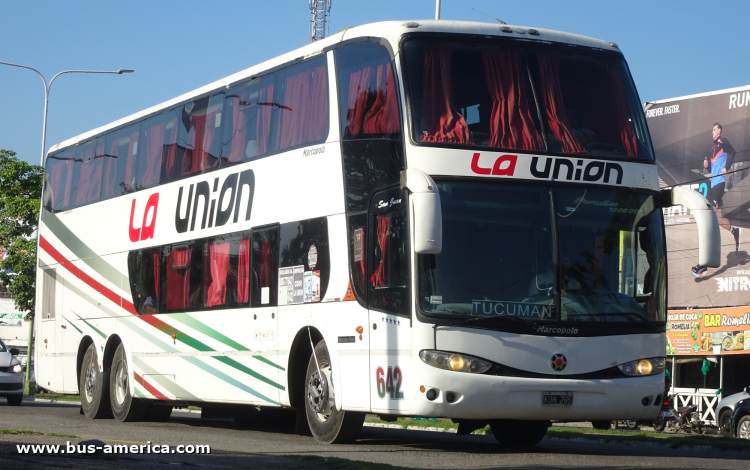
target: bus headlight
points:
(454, 361)
(18, 368)
(650, 366)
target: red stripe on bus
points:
(150, 388)
(94, 284)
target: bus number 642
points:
(386, 381)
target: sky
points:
(673, 47)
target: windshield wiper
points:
(530, 323)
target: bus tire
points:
(125, 408)
(157, 413)
(514, 434)
(601, 424)
(93, 386)
(328, 424)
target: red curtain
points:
(625, 126)
(156, 275)
(378, 277)
(219, 263)
(383, 115)
(154, 148)
(442, 121)
(237, 152)
(511, 123)
(131, 162)
(90, 176)
(557, 118)
(110, 172)
(316, 112)
(359, 84)
(263, 131)
(243, 273)
(265, 275)
(178, 280)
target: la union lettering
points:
(505, 165)
(148, 226)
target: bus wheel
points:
(124, 406)
(93, 386)
(157, 413)
(511, 433)
(328, 424)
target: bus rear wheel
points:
(328, 424)
(513, 434)
(124, 406)
(93, 386)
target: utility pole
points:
(321, 13)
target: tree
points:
(20, 196)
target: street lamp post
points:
(30, 387)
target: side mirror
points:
(427, 214)
(709, 237)
(14, 351)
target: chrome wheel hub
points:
(89, 382)
(320, 392)
(121, 382)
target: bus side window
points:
(199, 130)
(119, 162)
(89, 172)
(300, 107)
(226, 268)
(305, 261)
(57, 195)
(158, 142)
(368, 104)
(389, 254)
(265, 245)
(182, 279)
(245, 122)
(144, 268)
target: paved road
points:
(235, 446)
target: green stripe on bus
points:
(138, 393)
(83, 252)
(270, 363)
(73, 325)
(230, 380)
(241, 367)
(90, 325)
(207, 330)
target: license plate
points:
(557, 398)
(666, 413)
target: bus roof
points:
(390, 30)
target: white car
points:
(12, 376)
(725, 408)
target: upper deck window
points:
(367, 91)
(536, 98)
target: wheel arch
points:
(299, 355)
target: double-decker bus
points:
(432, 218)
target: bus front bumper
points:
(481, 397)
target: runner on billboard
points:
(722, 157)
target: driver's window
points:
(388, 271)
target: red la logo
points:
(146, 231)
(498, 169)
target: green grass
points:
(346, 463)
(58, 397)
(610, 435)
(23, 432)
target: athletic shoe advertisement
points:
(703, 141)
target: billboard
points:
(708, 331)
(714, 160)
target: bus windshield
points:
(520, 96)
(545, 253)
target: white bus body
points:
(542, 365)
